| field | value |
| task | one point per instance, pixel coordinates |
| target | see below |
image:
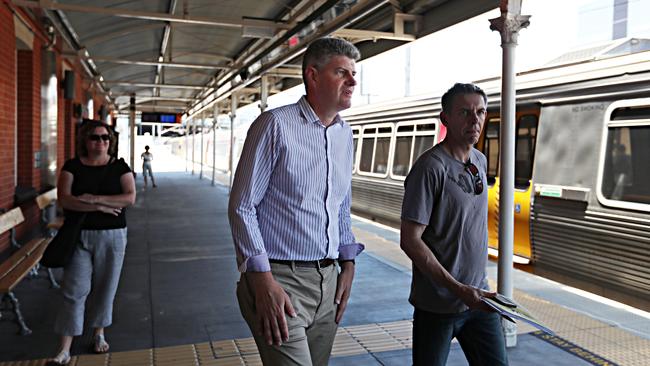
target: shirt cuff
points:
(350, 251)
(257, 263)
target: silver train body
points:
(582, 168)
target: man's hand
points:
(271, 302)
(343, 288)
(471, 296)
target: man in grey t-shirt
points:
(444, 232)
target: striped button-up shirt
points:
(290, 198)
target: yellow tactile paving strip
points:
(605, 340)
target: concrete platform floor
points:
(176, 301)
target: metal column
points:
(201, 166)
(193, 144)
(187, 131)
(233, 115)
(132, 130)
(264, 93)
(508, 25)
(214, 140)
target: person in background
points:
(444, 232)
(147, 157)
(102, 187)
(289, 212)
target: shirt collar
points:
(310, 115)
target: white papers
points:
(515, 312)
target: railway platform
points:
(176, 301)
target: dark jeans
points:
(479, 333)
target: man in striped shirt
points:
(289, 213)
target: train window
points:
(375, 149)
(381, 155)
(625, 175)
(367, 148)
(411, 140)
(402, 158)
(427, 127)
(422, 144)
(491, 149)
(525, 150)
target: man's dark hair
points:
(321, 51)
(146, 147)
(458, 89)
(84, 132)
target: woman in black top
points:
(101, 186)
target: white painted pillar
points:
(201, 165)
(193, 142)
(187, 142)
(508, 25)
(132, 131)
(231, 158)
(214, 140)
(264, 93)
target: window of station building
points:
(411, 140)
(625, 175)
(375, 149)
(90, 107)
(524, 149)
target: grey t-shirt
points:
(439, 193)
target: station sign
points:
(158, 117)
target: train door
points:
(526, 133)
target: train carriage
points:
(582, 167)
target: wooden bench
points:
(21, 262)
(44, 201)
(49, 228)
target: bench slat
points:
(10, 219)
(46, 198)
(19, 255)
(8, 282)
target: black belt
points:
(309, 264)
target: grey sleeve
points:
(419, 194)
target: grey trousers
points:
(312, 332)
(93, 270)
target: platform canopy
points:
(182, 56)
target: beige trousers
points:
(312, 331)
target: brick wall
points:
(28, 81)
(29, 115)
(7, 112)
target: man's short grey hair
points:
(321, 51)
